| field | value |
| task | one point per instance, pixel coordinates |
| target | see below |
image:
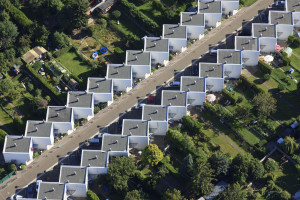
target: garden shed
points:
(288, 51)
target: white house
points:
(82, 104)
(140, 63)
(250, 49)
(52, 190)
(102, 89)
(76, 180)
(17, 149)
(96, 162)
(212, 11)
(195, 24)
(137, 130)
(62, 118)
(176, 102)
(230, 7)
(159, 49)
(267, 36)
(195, 88)
(214, 76)
(296, 19)
(41, 133)
(284, 23)
(292, 5)
(121, 75)
(158, 118)
(177, 36)
(117, 145)
(232, 60)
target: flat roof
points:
(135, 127)
(80, 99)
(211, 70)
(17, 144)
(99, 85)
(192, 84)
(263, 30)
(210, 7)
(229, 56)
(114, 142)
(59, 114)
(72, 174)
(38, 128)
(156, 44)
(174, 31)
(192, 19)
(173, 98)
(53, 191)
(280, 17)
(155, 112)
(292, 5)
(246, 43)
(94, 158)
(118, 71)
(138, 58)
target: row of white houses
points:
(73, 180)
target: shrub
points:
(170, 56)
(102, 22)
(266, 68)
(245, 81)
(229, 95)
(22, 166)
(271, 165)
(118, 50)
(116, 14)
(281, 86)
(90, 195)
(240, 99)
(267, 76)
(286, 60)
(35, 155)
(11, 167)
(291, 39)
(96, 109)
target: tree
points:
(280, 195)
(187, 166)
(265, 104)
(202, 176)
(78, 10)
(240, 166)
(190, 125)
(257, 169)
(30, 87)
(267, 76)
(102, 22)
(60, 40)
(242, 112)
(289, 145)
(38, 92)
(42, 103)
(233, 192)
(152, 155)
(281, 86)
(48, 98)
(11, 167)
(8, 34)
(6, 85)
(120, 169)
(56, 5)
(220, 163)
(116, 14)
(90, 195)
(41, 35)
(271, 165)
(135, 195)
(2, 138)
(172, 195)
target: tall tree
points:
(90, 195)
(152, 155)
(271, 165)
(257, 169)
(135, 195)
(8, 34)
(60, 40)
(201, 178)
(79, 9)
(265, 104)
(41, 35)
(190, 125)
(120, 169)
(233, 192)
(220, 163)
(289, 145)
(172, 195)
(6, 85)
(240, 167)
(187, 166)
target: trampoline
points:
(103, 50)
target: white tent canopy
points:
(268, 58)
(211, 98)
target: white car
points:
(15, 196)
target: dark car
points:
(30, 191)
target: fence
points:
(7, 176)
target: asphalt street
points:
(50, 158)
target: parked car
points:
(30, 191)
(37, 185)
(14, 197)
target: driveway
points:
(50, 158)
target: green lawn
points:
(148, 10)
(248, 135)
(247, 2)
(73, 63)
(218, 140)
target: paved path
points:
(50, 158)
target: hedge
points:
(229, 95)
(266, 68)
(138, 15)
(43, 80)
(250, 84)
(62, 51)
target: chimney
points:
(77, 99)
(173, 31)
(150, 118)
(123, 64)
(195, 82)
(36, 129)
(191, 18)
(248, 41)
(176, 96)
(53, 189)
(15, 144)
(213, 69)
(154, 43)
(109, 149)
(136, 58)
(116, 142)
(67, 181)
(74, 172)
(266, 28)
(130, 133)
(117, 71)
(96, 157)
(89, 165)
(170, 104)
(137, 125)
(261, 35)
(231, 54)
(156, 111)
(97, 85)
(57, 114)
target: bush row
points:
(42, 80)
(229, 95)
(244, 80)
(139, 16)
(18, 16)
(266, 68)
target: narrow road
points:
(50, 158)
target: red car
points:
(150, 100)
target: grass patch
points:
(216, 139)
(247, 2)
(148, 10)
